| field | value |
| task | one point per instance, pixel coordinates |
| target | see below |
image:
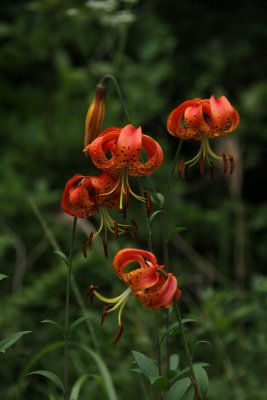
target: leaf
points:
(158, 199)
(74, 395)
(56, 324)
(202, 379)
(178, 389)
(153, 215)
(175, 328)
(174, 362)
(10, 340)
(159, 382)
(62, 256)
(2, 276)
(51, 376)
(107, 380)
(78, 321)
(147, 366)
(174, 231)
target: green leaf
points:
(74, 395)
(159, 382)
(2, 276)
(106, 377)
(158, 199)
(147, 366)
(178, 389)
(78, 321)
(51, 376)
(62, 256)
(10, 340)
(174, 231)
(175, 328)
(56, 324)
(174, 362)
(202, 379)
(153, 215)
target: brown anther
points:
(135, 229)
(116, 229)
(104, 312)
(90, 240)
(225, 164)
(84, 244)
(232, 164)
(124, 210)
(148, 203)
(180, 168)
(211, 171)
(90, 293)
(118, 334)
(96, 197)
(202, 165)
(105, 247)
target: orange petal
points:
(95, 115)
(142, 278)
(175, 123)
(225, 118)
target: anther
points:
(232, 164)
(84, 247)
(148, 203)
(225, 164)
(118, 334)
(180, 167)
(135, 228)
(90, 293)
(96, 197)
(202, 165)
(104, 312)
(90, 240)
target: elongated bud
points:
(95, 115)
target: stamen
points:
(180, 167)
(225, 164)
(90, 293)
(202, 165)
(118, 334)
(96, 200)
(148, 203)
(90, 240)
(105, 246)
(84, 247)
(135, 229)
(232, 164)
(105, 309)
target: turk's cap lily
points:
(204, 119)
(196, 118)
(116, 148)
(151, 284)
(95, 115)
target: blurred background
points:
(53, 53)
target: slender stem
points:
(189, 360)
(114, 80)
(67, 312)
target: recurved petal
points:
(195, 122)
(176, 124)
(65, 204)
(225, 118)
(142, 278)
(160, 298)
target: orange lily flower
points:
(84, 196)
(201, 119)
(118, 151)
(152, 285)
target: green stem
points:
(189, 360)
(114, 80)
(67, 312)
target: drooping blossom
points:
(204, 119)
(118, 151)
(151, 284)
(85, 196)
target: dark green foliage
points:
(53, 53)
